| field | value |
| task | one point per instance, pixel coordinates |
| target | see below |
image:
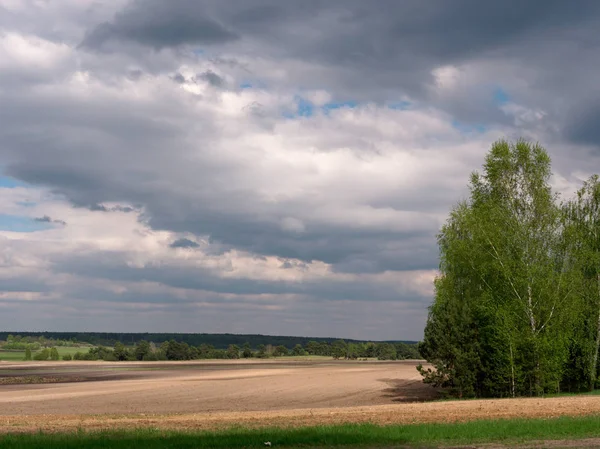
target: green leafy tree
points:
(262, 352)
(298, 350)
(28, 353)
(339, 349)
(206, 351)
(582, 217)
(142, 350)
(54, 354)
(503, 309)
(44, 354)
(386, 351)
(233, 352)
(177, 350)
(280, 351)
(247, 351)
(120, 352)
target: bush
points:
(67, 357)
(54, 354)
(42, 355)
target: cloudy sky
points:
(265, 166)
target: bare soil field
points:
(209, 395)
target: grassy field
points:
(506, 432)
(16, 356)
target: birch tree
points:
(583, 231)
(517, 273)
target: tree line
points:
(220, 341)
(176, 350)
(516, 310)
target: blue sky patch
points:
(16, 223)
(305, 108)
(500, 96)
(9, 183)
(338, 105)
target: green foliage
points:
(218, 341)
(142, 350)
(233, 352)
(261, 352)
(175, 350)
(28, 353)
(44, 354)
(120, 352)
(67, 357)
(385, 351)
(512, 296)
(54, 354)
(247, 351)
(280, 351)
(339, 349)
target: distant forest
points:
(44, 347)
(218, 341)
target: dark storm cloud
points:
(394, 45)
(583, 124)
(212, 78)
(159, 24)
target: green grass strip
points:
(353, 435)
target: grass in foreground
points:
(352, 435)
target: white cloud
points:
(305, 221)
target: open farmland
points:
(203, 387)
(220, 394)
(62, 350)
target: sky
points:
(264, 166)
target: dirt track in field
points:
(208, 395)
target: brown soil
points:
(209, 395)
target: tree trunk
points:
(512, 371)
(537, 381)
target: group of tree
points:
(44, 354)
(219, 341)
(517, 301)
(34, 343)
(176, 350)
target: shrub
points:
(54, 354)
(42, 355)
(67, 357)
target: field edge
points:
(509, 432)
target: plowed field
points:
(206, 395)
